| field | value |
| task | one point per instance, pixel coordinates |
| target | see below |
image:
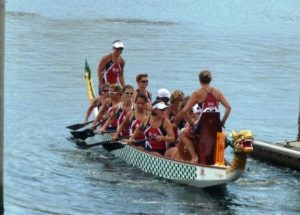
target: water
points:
(252, 48)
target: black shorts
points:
(160, 151)
(140, 143)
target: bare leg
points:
(191, 149)
(172, 153)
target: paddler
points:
(134, 118)
(157, 130)
(98, 102)
(119, 111)
(115, 97)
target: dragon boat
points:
(212, 169)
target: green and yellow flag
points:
(89, 82)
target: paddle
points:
(83, 144)
(87, 133)
(118, 145)
(78, 125)
(83, 134)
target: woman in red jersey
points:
(208, 99)
(111, 66)
(134, 118)
(157, 130)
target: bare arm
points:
(227, 107)
(125, 122)
(101, 67)
(101, 113)
(90, 109)
(186, 110)
(170, 137)
(112, 116)
(150, 95)
(139, 129)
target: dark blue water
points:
(251, 47)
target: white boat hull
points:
(178, 171)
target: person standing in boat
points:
(98, 102)
(115, 97)
(157, 130)
(119, 111)
(208, 99)
(111, 67)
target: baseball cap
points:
(118, 44)
(160, 106)
(163, 93)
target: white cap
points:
(160, 106)
(163, 93)
(118, 44)
(196, 109)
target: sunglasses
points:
(162, 110)
(119, 49)
(164, 99)
(112, 93)
(128, 93)
(145, 81)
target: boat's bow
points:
(242, 143)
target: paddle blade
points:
(113, 146)
(83, 134)
(118, 145)
(103, 139)
(75, 126)
(80, 143)
(78, 125)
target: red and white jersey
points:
(210, 104)
(151, 132)
(121, 114)
(111, 73)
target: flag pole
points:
(2, 39)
